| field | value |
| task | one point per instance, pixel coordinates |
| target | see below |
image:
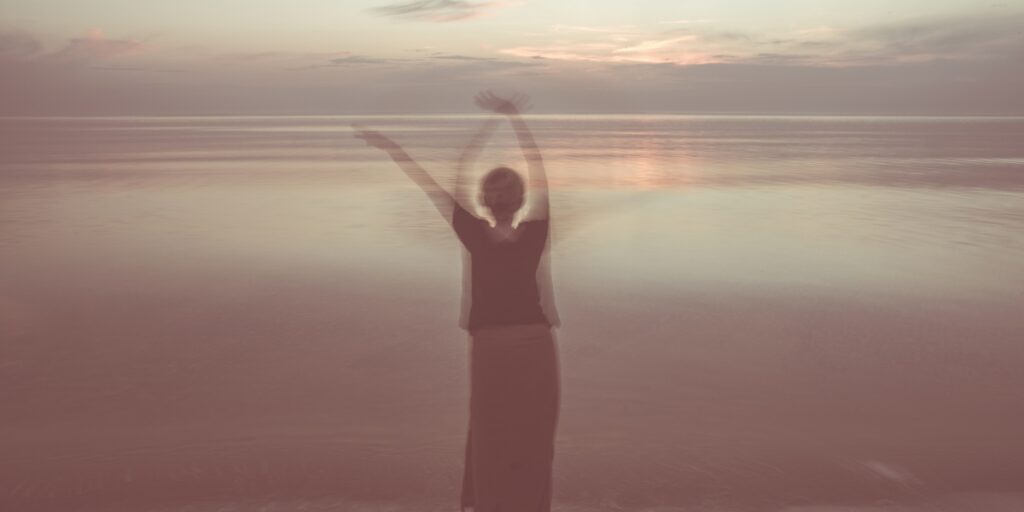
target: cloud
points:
(657, 44)
(820, 30)
(891, 43)
(940, 38)
(356, 60)
(136, 69)
(433, 67)
(439, 10)
(95, 46)
(628, 44)
(23, 57)
(490, 63)
(684, 22)
(674, 50)
(19, 45)
(600, 29)
(918, 66)
(450, 56)
(250, 56)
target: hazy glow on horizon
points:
(120, 56)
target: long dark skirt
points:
(513, 415)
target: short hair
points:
(503, 189)
(501, 177)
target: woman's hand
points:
(374, 138)
(487, 100)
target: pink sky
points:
(834, 56)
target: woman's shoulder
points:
(462, 214)
(535, 222)
(536, 228)
(467, 226)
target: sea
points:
(758, 313)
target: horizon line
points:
(545, 114)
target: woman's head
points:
(502, 192)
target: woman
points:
(514, 378)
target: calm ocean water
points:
(759, 313)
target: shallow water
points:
(759, 313)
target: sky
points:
(220, 57)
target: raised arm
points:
(537, 180)
(443, 201)
(462, 193)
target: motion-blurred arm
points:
(537, 180)
(443, 201)
(463, 196)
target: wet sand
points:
(284, 338)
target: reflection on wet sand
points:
(785, 325)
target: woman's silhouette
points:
(514, 377)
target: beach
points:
(793, 313)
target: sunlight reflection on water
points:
(759, 311)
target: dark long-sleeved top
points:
(503, 273)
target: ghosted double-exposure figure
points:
(514, 378)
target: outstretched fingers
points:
(487, 100)
(373, 138)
